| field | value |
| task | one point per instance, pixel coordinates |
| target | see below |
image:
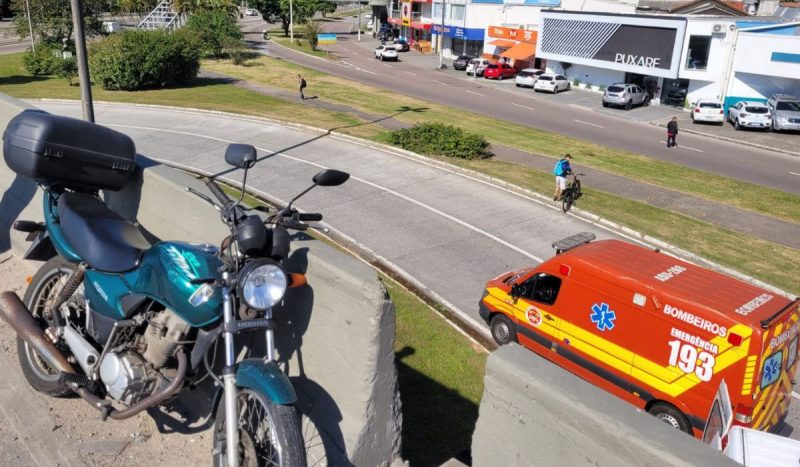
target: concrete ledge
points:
(341, 361)
(536, 413)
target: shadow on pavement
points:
(437, 421)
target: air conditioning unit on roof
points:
(719, 29)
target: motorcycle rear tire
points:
(48, 280)
(284, 426)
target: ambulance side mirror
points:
(515, 291)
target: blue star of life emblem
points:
(603, 316)
(771, 369)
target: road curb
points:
(585, 215)
(733, 140)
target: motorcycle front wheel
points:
(269, 434)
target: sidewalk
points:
(738, 220)
(786, 143)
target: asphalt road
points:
(357, 63)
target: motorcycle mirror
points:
(242, 156)
(330, 177)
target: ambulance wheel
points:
(671, 416)
(502, 329)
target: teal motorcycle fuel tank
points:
(164, 274)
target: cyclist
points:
(561, 170)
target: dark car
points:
(401, 45)
(460, 63)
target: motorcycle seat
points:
(103, 238)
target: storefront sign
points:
(405, 14)
(645, 45)
(522, 35)
(470, 34)
(539, 3)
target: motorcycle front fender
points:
(267, 379)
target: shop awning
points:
(521, 51)
(503, 43)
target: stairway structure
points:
(162, 17)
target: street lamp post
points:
(359, 21)
(83, 67)
(291, 23)
(30, 26)
(441, 39)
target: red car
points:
(499, 71)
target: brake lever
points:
(203, 197)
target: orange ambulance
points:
(656, 331)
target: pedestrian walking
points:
(302, 83)
(672, 132)
(561, 170)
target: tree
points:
(189, 7)
(52, 19)
(278, 10)
(326, 7)
(214, 29)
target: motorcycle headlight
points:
(262, 284)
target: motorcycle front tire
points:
(566, 204)
(43, 289)
(284, 448)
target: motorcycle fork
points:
(229, 379)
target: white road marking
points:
(443, 84)
(473, 92)
(386, 64)
(412, 74)
(359, 68)
(795, 395)
(523, 106)
(366, 182)
(684, 147)
(590, 124)
(795, 173)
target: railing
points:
(395, 14)
(416, 16)
(162, 17)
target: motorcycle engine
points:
(131, 375)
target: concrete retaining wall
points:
(337, 340)
(536, 413)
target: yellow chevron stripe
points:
(749, 373)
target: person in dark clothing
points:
(672, 132)
(302, 82)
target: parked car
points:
(551, 82)
(251, 12)
(499, 71)
(625, 95)
(528, 76)
(461, 62)
(386, 52)
(476, 66)
(401, 45)
(785, 111)
(750, 115)
(708, 110)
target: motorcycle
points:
(127, 324)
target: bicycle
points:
(571, 193)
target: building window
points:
(697, 57)
(436, 11)
(457, 12)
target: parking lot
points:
(786, 142)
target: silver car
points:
(625, 95)
(785, 112)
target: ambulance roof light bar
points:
(576, 240)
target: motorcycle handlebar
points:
(310, 217)
(217, 192)
(290, 224)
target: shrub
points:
(213, 29)
(310, 31)
(68, 69)
(138, 59)
(45, 61)
(440, 139)
(237, 52)
(576, 82)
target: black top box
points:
(68, 153)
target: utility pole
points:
(83, 67)
(441, 40)
(359, 20)
(291, 23)
(30, 26)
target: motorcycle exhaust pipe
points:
(17, 315)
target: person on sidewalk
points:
(302, 83)
(561, 170)
(672, 132)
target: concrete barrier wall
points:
(336, 342)
(536, 413)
